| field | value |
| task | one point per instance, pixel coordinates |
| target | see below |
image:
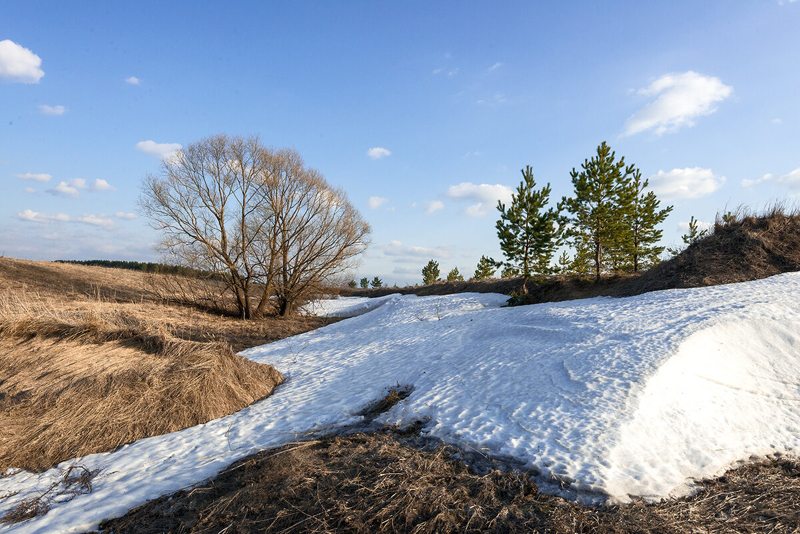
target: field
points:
(74, 338)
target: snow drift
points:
(610, 398)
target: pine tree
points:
(365, 282)
(454, 276)
(693, 235)
(641, 215)
(430, 273)
(376, 282)
(485, 269)
(351, 284)
(508, 272)
(598, 220)
(528, 234)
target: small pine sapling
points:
(365, 282)
(454, 276)
(430, 273)
(376, 282)
(485, 269)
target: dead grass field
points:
(92, 358)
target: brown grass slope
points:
(749, 247)
(92, 358)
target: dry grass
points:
(91, 358)
(384, 483)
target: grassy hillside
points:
(92, 358)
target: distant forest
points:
(147, 267)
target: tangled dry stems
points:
(90, 378)
(380, 483)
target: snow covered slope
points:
(614, 397)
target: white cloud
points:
(67, 189)
(685, 183)
(127, 216)
(404, 252)
(452, 73)
(73, 187)
(681, 99)
(52, 110)
(162, 150)
(101, 220)
(376, 202)
(776, 121)
(31, 191)
(433, 205)
(436, 71)
(495, 100)
(133, 80)
(18, 64)
(792, 179)
(101, 185)
(684, 226)
(406, 270)
(495, 67)
(42, 177)
(484, 196)
(378, 152)
(35, 216)
(749, 183)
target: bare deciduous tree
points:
(272, 228)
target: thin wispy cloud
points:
(378, 152)
(31, 190)
(35, 216)
(403, 252)
(126, 216)
(38, 177)
(18, 64)
(681, 99)
(495, 67)
(162, 150)
(133, 80)
(483, 196)
(377, 202)
(691, 182)
(72, 188)
(791, 180)
(103, 221)
(433, 206)
(54, 111)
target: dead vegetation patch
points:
(91, 359)
(75, 382)
(368, 483)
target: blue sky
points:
(424, 112)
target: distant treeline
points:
(148, 267)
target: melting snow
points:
(612, 397)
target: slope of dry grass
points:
(92, 358)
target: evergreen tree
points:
(598, 218)
(508, 272)
(564, 264)
(641, 216)
(528, 234)
(454, 276)
(365, 282)
(485, 269)
(376, 282)
(693, 235)
(430, 273)
(351, 284)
